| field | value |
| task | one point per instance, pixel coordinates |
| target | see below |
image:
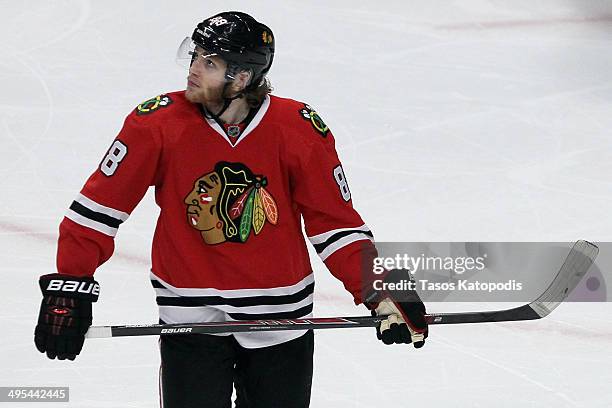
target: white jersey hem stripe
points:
(238, 293)
(259, 309)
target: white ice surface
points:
(456, 120)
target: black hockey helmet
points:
(243, 42)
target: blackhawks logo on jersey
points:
(229, 203)
(153, 104)
(317, 123)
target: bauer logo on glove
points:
(60, 285)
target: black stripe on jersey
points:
(321, 247)
(197, 301)
(95, 216)
(157, 284)
(294, 314)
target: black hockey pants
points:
(199, 371)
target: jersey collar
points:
(250, 127)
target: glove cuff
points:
(75, 287)
(397, 287)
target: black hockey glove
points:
(406, 312)
(65, 314)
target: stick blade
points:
(576, 264)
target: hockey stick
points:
(575, 266)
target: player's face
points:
(206, 79)
(202, 203)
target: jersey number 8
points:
(342, 183)
(111, 161)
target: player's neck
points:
(236, 112)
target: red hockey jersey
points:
(228, 244)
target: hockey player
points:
(235, 170)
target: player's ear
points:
(242, 80)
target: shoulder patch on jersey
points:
(317, 123)
(153, 104)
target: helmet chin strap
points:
(226, 104)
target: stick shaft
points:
(317, 323)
